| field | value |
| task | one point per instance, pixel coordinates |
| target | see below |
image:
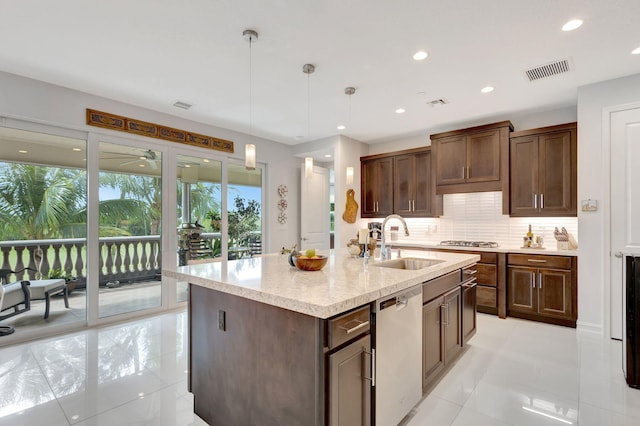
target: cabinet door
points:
(349, 389)
(424, 190)
(452, 324)
(450, 160)
(522, 290)
(557, 196)
(483, 156)
(432, 341)
(369, 189)
(469, 305)
(554, 293)
(377, 187)
(524, 176)
(384, 181)
(403, 184)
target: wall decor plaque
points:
(130, 125)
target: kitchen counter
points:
(426, 245)
(344, 283)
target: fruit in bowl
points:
(309, 261)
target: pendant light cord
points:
(308, 106)
(250, 91)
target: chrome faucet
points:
(385, 253)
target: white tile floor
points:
(514, 373)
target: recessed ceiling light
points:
(572, 25)
(420, 55)
(76, 149)
(22, 151)
(487, 89)
(327, 156)
(636, 51)
(341, 127)
(206, 160)
(140, 165)
(400, 111)
(187, 165)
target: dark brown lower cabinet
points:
(452, 324)
(349, 385)
(469, 307)
(442, 325)
(543, 288)
(432, 341)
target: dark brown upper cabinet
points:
(413, 194)
(475, 159)
(543, 164)
(400, 182)
(377, 187)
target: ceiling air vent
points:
(548, 70)
(182, 105)
(437, 102)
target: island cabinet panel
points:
(473, 160)
(543, 168)
(349, 390)
(443, 324)
(252, 363)
(543, 288)
(432, 342)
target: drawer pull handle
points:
(360, 326)
(536, 260)
(470, 271)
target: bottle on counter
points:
(529, 237)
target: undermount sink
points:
(411, 263)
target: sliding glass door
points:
(130, 232)
(199, 201)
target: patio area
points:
(112, 301)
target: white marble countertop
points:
(344, 283)
(502, 249)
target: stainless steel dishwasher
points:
(398, 355)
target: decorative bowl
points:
(310, 263)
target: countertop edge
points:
(516, 250)
(322, 311)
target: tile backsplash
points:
(478, 217)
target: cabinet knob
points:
(618, 254)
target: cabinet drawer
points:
(487, 274)
(486, 296)
(540, 261)
(347, 326)
(439, 286)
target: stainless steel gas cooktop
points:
(462, 243)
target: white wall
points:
(35, 101)
(593, 182)
(521, 120)
(347, 153)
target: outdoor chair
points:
(12, 296)
(255, 244)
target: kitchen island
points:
(261, 331)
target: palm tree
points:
(144, 191)
(37, 202)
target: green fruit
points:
(310, 253)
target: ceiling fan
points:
(149, 156)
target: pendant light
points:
(250, 149)
(308, 69)
(349, 91)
